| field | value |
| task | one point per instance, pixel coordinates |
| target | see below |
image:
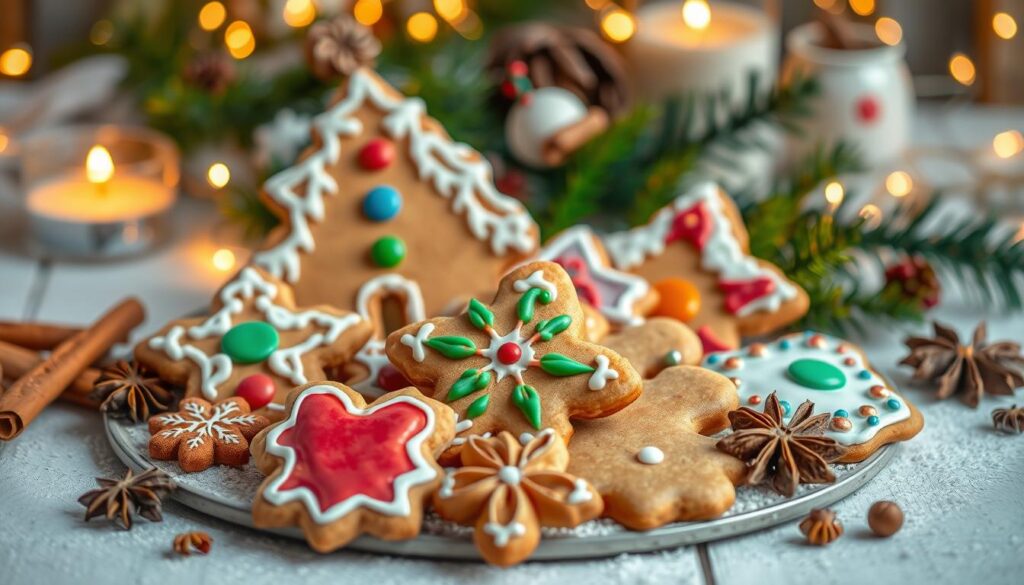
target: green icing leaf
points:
(469, 382)
(527, 401)
(452, 346)
(526, 303)
(549, 328)
(478, 407)
(557, 364)
(479, 315)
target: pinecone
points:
(212, 73)
(575, 59)
(336, 48)
(915, 280)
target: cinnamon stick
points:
(569, 139)
(37, 336)
(27, 397)
(17, 361)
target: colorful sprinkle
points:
(382, 203)
(754, 399)
(841, 348)
(257, 390)
(785, 344)
(680, 299)
(388, 252)
(849, 362)
(757, 350)
(673, 358)
(878, 391)
(786, 408)
(816, 341)
(816, 374)
(841, 425)
(378, 153)
(733, 363)
(713, 359)
(510, 353)
(736, 381)
(867, 410)
(864, 374)
(250, 343)
(893, 404)
(841, 413)
(873, 421)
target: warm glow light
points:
(99, 167)
(834, 193)
(1004, 25)
(899, 184)
(239, 39)
(212, 15)
(469, 26)
(618, 25)
(825, 4)
(696, 14)
(223, 259)
(299, 13)
(101, 32)
(871, 213)
(596, 4)
(422, 27)
(889, 31)
(16, 61)
(368, 12)
(4, 141)
(863, 7)
(962, 68)
(1008, 144)
(450, 10)
(218, 175)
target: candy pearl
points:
(712, 359)
(733, 363)
(390, 379)
(786, 407)
(867, 410)
(510, 475)
(878, 391)
(377, 154)
(388, 252)
(893, 404)
(736, 381)
(785, 344)
(864, 375)
(873, 421)
(816, 341)
(841, 348)
(257, 390)
(673, 358)
(250, 343)
(680, 299)
(757, 350)
(841, 413)
(754, 399)
(841, 424)
(382, 203)
(849, 361)
(509, 353)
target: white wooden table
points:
(960, 484)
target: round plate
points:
(226, 493)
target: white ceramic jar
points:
(867, 98)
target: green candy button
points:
(816, 374)
(388, 252)
(250, 343)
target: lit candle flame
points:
(99, 167)
(223, 259)
(696, 14)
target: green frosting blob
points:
(250, 343)
(816, 374)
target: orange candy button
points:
(679, 299)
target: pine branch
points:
(244, 208)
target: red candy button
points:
(258, 390)
(377, 154)
(509, 353)
(390, 379)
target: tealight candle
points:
(699, 47)
(98, 193)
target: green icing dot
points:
(250, 343)
(816, 374)
(388, 252)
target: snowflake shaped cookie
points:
(521, 364)
(255, 344)
(201, 434)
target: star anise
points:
(1009, 420)
(129, 390)
(782, 455)
(336, 48)
(189, 542)
(969, 370)
(119, 500)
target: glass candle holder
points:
(97, 192)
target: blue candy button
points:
(382, 203)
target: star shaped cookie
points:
(338, 467)
(201, 434)
(255, 344)
(651, 462)
(519, 365)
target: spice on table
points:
(768, 445)
(1009, 420)
(120, 499)
(127, 389)
(971, 369)
(885, 518)
(821, 527)
(37, 336)
(189, 542)
(18, 361)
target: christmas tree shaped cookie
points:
(384, 192)
(695, 253)
(255, 344)
(520, 364)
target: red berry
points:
(868, 109)
(258, 390)
(390, 379)
(510, 353)
(517, 68)
(377, 154)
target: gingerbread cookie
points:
(255, 344)
(338, 467)
(834, 375)
(384, 192)
(696, 255)
(201, 434)
(520, 364)
(657, 344)
(651, 462)
(622, 298)
(508, 491)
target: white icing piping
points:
(372, 354)
(536, 280)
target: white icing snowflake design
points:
(202, 424)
